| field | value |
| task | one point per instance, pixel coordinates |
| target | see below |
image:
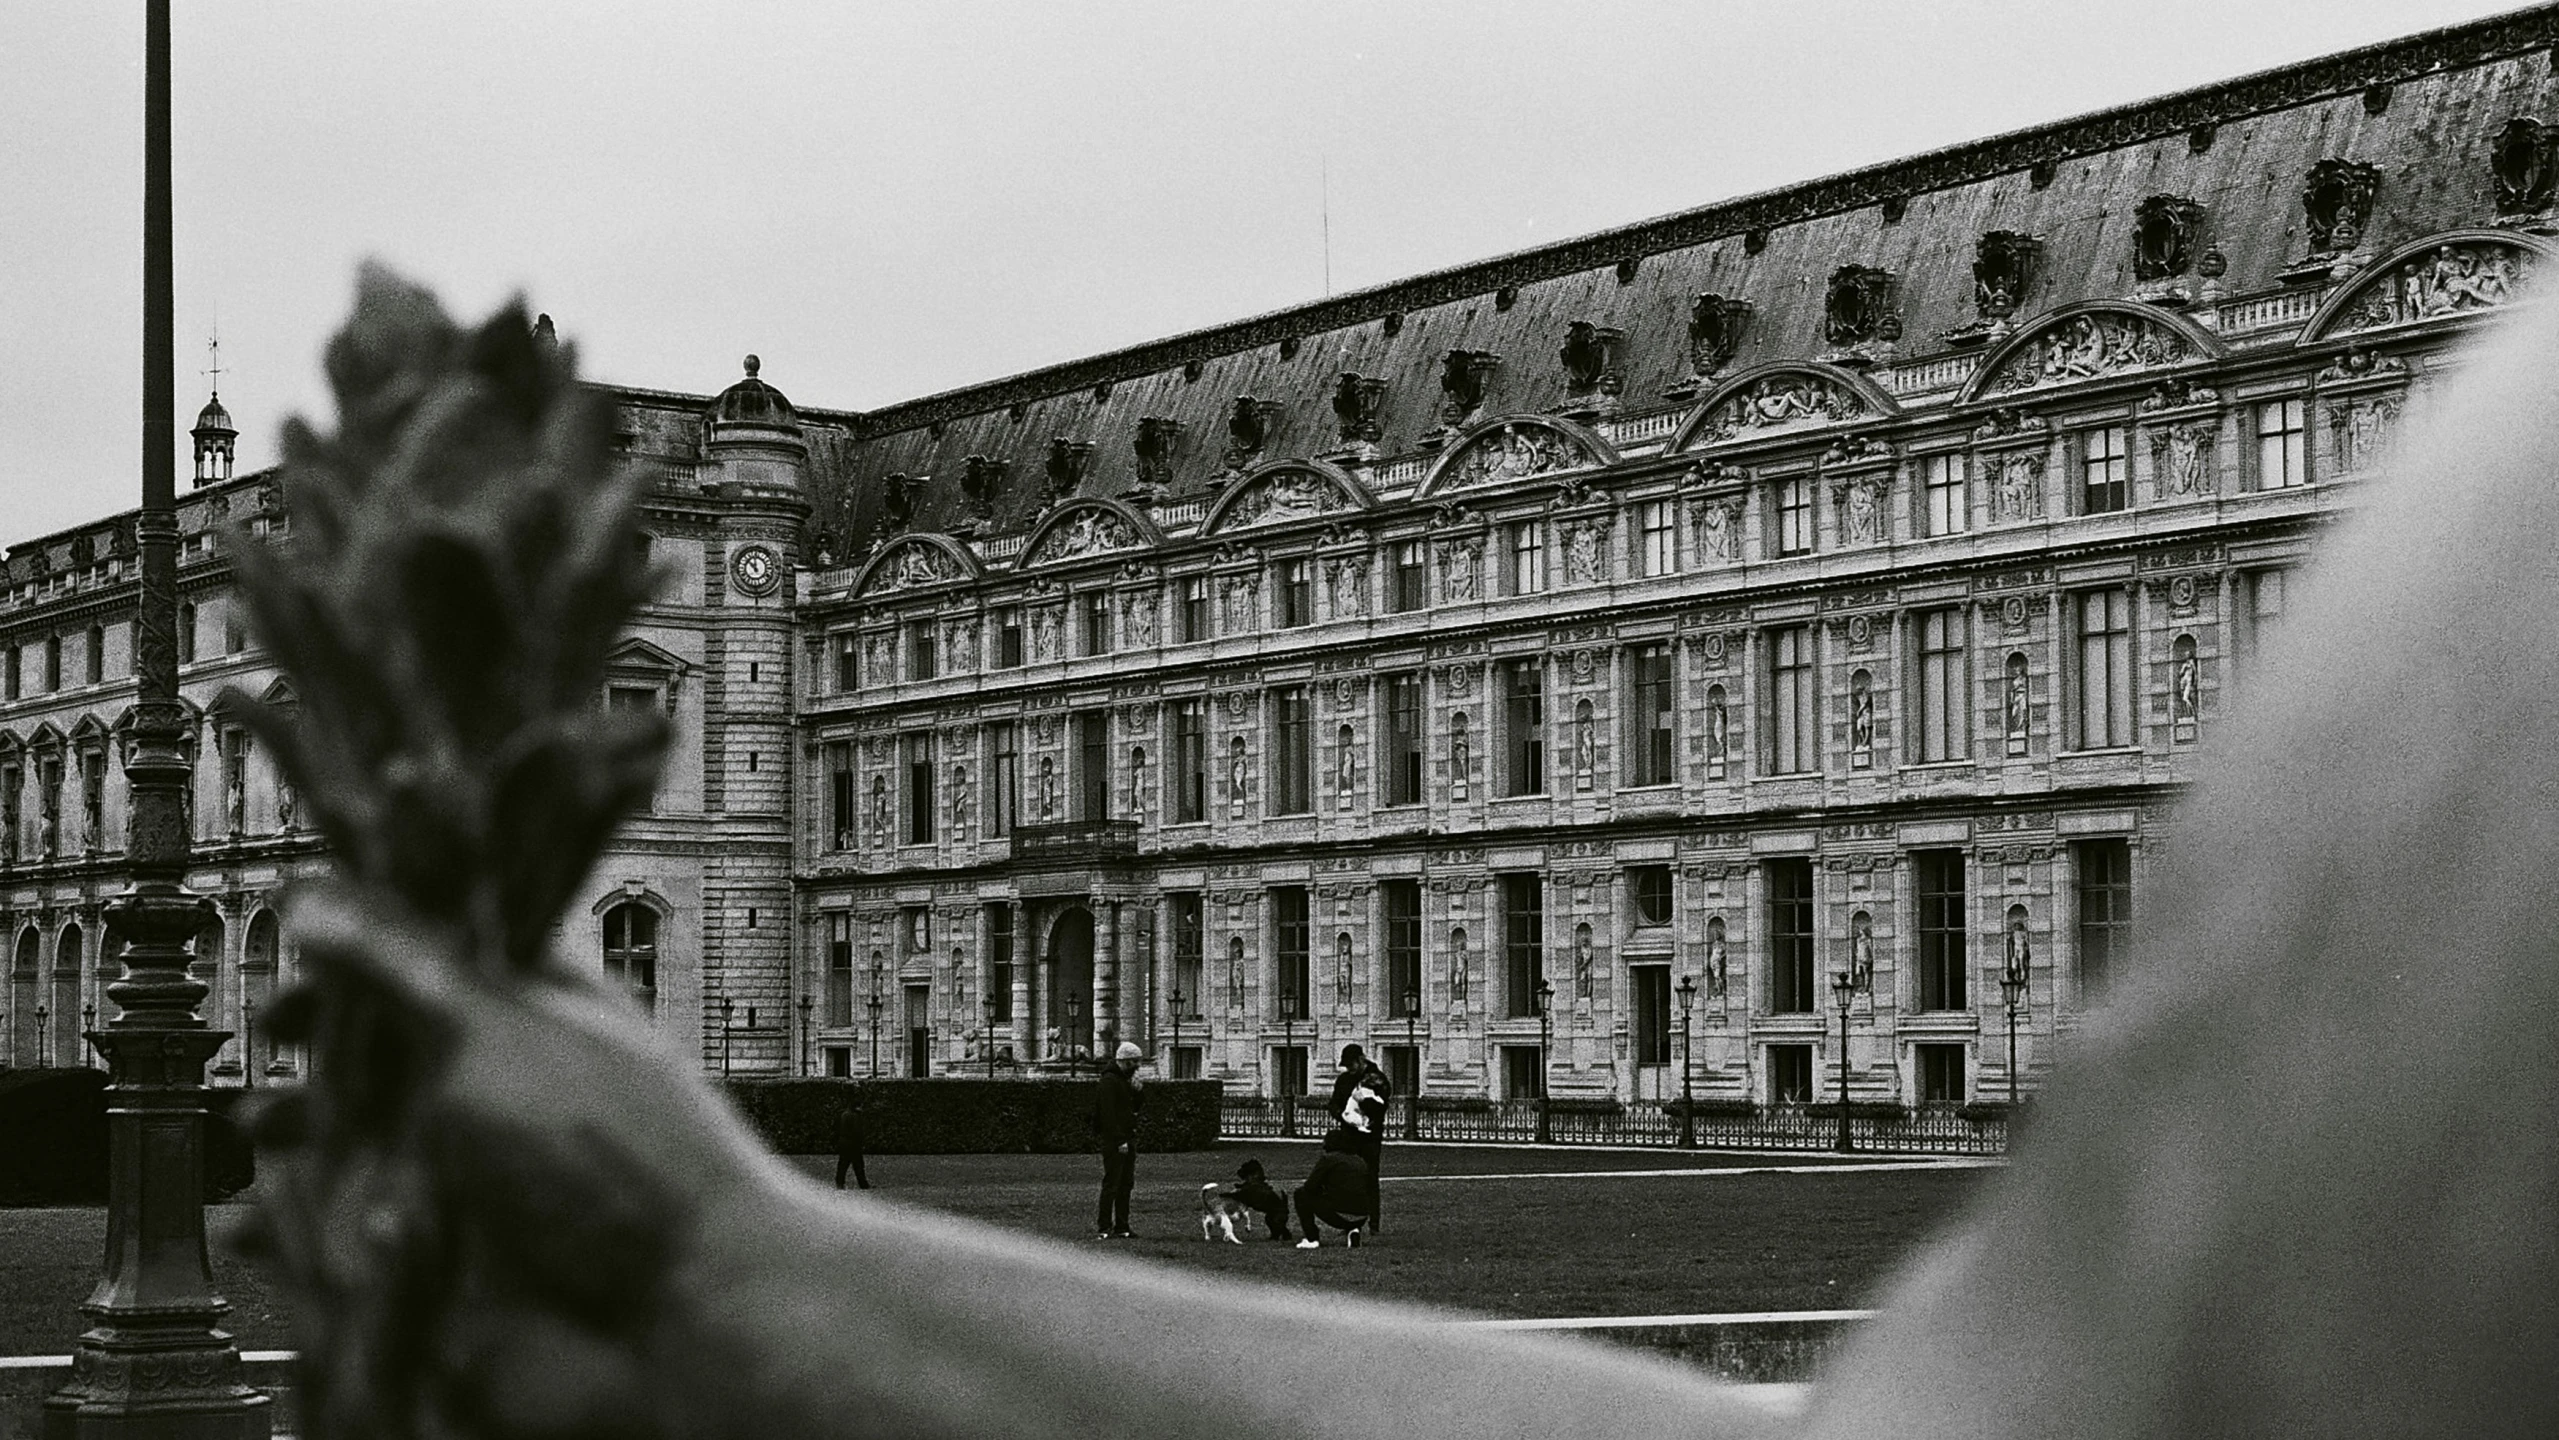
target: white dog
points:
(1220, 1215)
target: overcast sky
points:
(884, 200)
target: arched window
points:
(631, 951)
(257, 986)
(25, 993)
(68, 1047)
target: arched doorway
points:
(1070, 953)
(25, 994)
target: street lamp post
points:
(1413, 1047)
(1545, 1037)
(986, 1034)
(873, 1005)
(248, 1042)
(2012, 989)
(1288, 1047)
(44, 1038)
(1074, 1025)
(808, 1002)
(728, 1007)
(1844, 986)
(88, 1020)
(1687, 1064)
(1174, 1053)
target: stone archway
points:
(1069, 953)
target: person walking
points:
(1115, 1121)
(848, 1145)
(1360, 1094)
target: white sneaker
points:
(1310, 1244)
(1354, 1239)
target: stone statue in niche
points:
(1345, 768)
(1235, 973)
(1137, 781)
(1048, 788)
(1235, 778)
(960, 795)
(1346, 588)
(1342, 983)
(1861, 720)
(2014, 706)
(286, 803)
(1457, 571)
(1044, 623)
(1861, 950)
(2359, 431)
(1719, 738)
(1240, 597)
(2019, 958)
(1461, 758)
(1585, 746)
(1719, 529)
(1137, 619)
(2017, 492)
(1457, 966)
(2185, 687)
(962, 644)
(1861, 515)
(1582, 554)
(1582, 979)
(2182, 457)
(1718, 959)
(880, 810)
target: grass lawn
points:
(1546, 1238)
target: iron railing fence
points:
(1882, 1129)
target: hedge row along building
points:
(1836, 581)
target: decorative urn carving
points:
(1359, 405)
(2525, 168)
(1857, 316)
(2336, 200)
(980, 476)
(1064, 469)
(1250, 426)
(1592, 380)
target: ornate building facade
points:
(1552, 672)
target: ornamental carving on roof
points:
(1282, 496)
(1779, 403)
(1085, 532)
(2449, 279)
(2087, 347)
(1511, 452)
(910, 566)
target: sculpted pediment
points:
(1081, 530)
(1774, 402)
(1521, 448)
(914, 561)
(1279, 493)
(2093, 343)
(2446, 275)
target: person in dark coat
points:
(1253, 1191)
(848, 1146)
(1364, 1116)
(1115, 1121)
(1336, 1192)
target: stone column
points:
(1106, 977)
(1033, 989)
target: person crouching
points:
(1336, 1192)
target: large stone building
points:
(1494, 667)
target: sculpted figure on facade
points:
(959, 642)
(2185, 686)
(1861, 720)
(1719, 740)
(1283, 496)
(2182, 457)
(1780, 402)
(1235, 778)
(2086, 347)
(1461, 757)
(1582, 959)
(1345, 587)
(1512, 452)
(2360, 430)
(2447, 280)
(1585, 746)
(1861, 511)
(2014, 707)
(961, 809)
(1345, 768)
(1048, 788)
(1585, 552)
(2017, 485)
(879, 812)
(1240, 597)
(1718, 960)
(1045, 622)
(1719, 527)
(1137, 618)
(1459, 561)
(917, 562)
(1457, 966)
(1092, 531)
(1861, 950)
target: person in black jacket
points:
(849, 1144)
(1253, 1191)
(1336, 1192)
(1115, 1121)
(1360, 1094)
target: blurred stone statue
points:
(505, 1206)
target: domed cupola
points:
(214, 438)
(755, 438)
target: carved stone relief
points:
(2016, 485)
(1719, 528)
(1087, 532)
(1240, 598)
(1512, 452)
(1279, 498)
(2087, 347)
(2360, 430)
(1585, 552)
(2447, 280)
(1778, 403)
(2181, 459)
(1861, 501)
(1137, 618)
(1460, 569)
(1346, 587)
(915, 563)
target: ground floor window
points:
(1941, 1074)
(1651, 984)
(1404, 1068)
(839, 1060)
(1790, 1074)
(1523, 1074)
(1288, 1070)
(1186, 1062)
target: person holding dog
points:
(1115, 1121)
(1336, 1192)
(1360, 1094)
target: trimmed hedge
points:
(954, 1115)
(53, 1139)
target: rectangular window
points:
(1790, 938)
(839, 969)
(1522, 1079)
(1528, 557)
(1944, 506)
(53, 662)
(2105, 910)
(1651, 984)
(840, 806)
(1290, 950)
(2105, 470)
(9, 682)
(1941, 1073)
(1093, 765)
(1404, 738)
(1190, 762)
(919, 788)
(2283, 444)
(2105, 669)
(1401, 900)
(923, 661)
(999, 962)
(1794, 749)
(1292, 751)
(1288, 1070)
(1008, 638)
(1524, 726)
(1004, 778)
(1943, 722)
(1190, 952)
(1793, 532)
(1790, 1074)
(848, 663)
(1411, 591)
(1656, 538)
(95, 656)
(1296, 597)
(1194, 620)
(2264, 599)
(1937, 877)
(1523, 944)
(1093, 612)
(1650, 736)
(186, 634)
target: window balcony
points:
(1076, 841)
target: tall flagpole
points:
(152, 1362)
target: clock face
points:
(755, 569)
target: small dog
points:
(1221, 1214)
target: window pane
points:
(1790, 936)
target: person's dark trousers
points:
(1372, 1148)
(1308, 1215)
(852, 1162)
(1119, 1177)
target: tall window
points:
(1194, 621)
(1190, 950)
(1093, 764)
(95, 656)
(1402, 902)
(1292, 751)
(1528, 557)
(1649, 716)
(1523, 943)
(1794, 528)
(1943, 726)
(1790, 937)
(2105, 669)
(1656, 538)
(9, 681)
(840, 808)
(1003, 778)
(919, 788)
(923, 661)
(1008, 638)
(999, 961)
(2283, 444)
(2263, 595)
(1411, 590)
(848, 663)
(1404, 738)
(1944, 504)
(1190, 762)
(2105, 910)
(1093, 610)
(53, 662)
(1524, 726)
(1290, 948)
(1790, 1074)
(1938, 877)
(186, 634)
(2105, 470)
(631, 951)
(839, 968)
(1941, 1073)
(1296, 597)
(1793, 747)
(1652, 1027)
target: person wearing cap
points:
(1115, 1120)
(1360, 1094)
